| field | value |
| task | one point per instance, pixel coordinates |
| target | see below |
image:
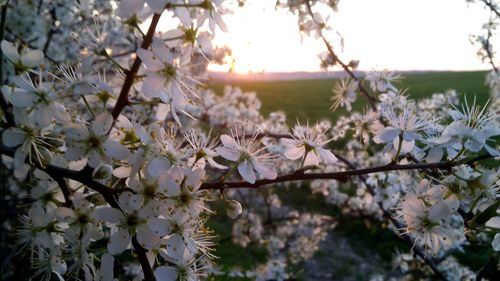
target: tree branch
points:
(130, 75)
(342, 175)
(492, 7)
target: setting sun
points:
(394, 34)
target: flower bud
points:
(102, 172)
(233, 208)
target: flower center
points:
(93, 142)
(169, 71)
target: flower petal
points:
(147, 238)
(229, 154)
(13, 137)
(102, 124)
(166, 273)
(295, 152)
(119, 242)
(158, 166)
(265, 171)
(10, 51)
(106, 269)
(115, 150)
(109, 214)
(246, 171)
(32, 58)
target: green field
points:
(310, 99)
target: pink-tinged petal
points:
(194, 178)
(160, 227)
(102, 124)
(147, 238)
(43, 116)
(169, 185)
(130, 7)
(115, 150)
(290, 142)
(295, 152)
(439, 211)
(214, 164)
(220, 22)
(32, 58)
(387, 134)
(122, 172)
(312, 159)
(166, 273)
(119, 242)
(106, 269)
(423, 186)
(183, 14)
(160, 50)
(229, 154)
(64, 214)
(158, 166)
(265, 171)
(407, 146)
(157, 5)
(141, 132)
(10, 51)
(13, 137)
(153, 85)
(108, 214)
(246, 171)
(162, 111)
(130, 202)
(178, 97)
(326, 155)
(149, 60)
(229, 142)
(22, 98)
(176, 248)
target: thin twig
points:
(372, 100)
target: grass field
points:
(310, 99)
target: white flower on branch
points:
(403, 130)
(167, 76)
(308, 143)
(250, 156)
(23, 61)
(93, 143)
(131, 222)
(344, 93)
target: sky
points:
(391, 34)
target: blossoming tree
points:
(115, 148)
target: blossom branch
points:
(130, 74)
(342, 175)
